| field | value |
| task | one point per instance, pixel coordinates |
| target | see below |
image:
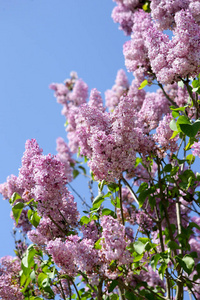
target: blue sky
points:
(42, 42)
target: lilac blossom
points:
(10, 279)
(135, 51)
(63, 254)
(113, 241)
(154, 106)
(164, 11)
(163, 137)
(138, 95)
(176, 58)
(125, 17)
(124, 13)
(90, 231)
(25, 179)
(196, 147)
(10, 186)
(119, 89)
(96, 100)
(65, 156)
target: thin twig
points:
(62, 291)
(130, 189)
(120, 198)
(76, 290)
(170, 100)
(83, 201)
(57, 225)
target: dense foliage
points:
(139, 236)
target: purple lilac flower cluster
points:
(124, 13)
(151, 53)
(9, 278)
(44, 178)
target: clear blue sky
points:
(41, 42)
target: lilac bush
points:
(139, 235)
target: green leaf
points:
(187, 263)
(154, 261)
(28, 260)
(114, 297)
(172, 125)
(84, 220)
(190, 159)
(83, 169)
(41, 278)
(34, 218)
(138, 161)
(142, 197)
(113, 285)
(178, 108)
(108, 212)
(161, 270)
(143, 186)
(167, 168)
(181, 84)
(75, 173)
(175, 114)
(195, 83)
(174, 135)
(191, 130)
(116, 202)
(26, 285)
(23, 279)
(130, 296)
(143, 84)
(144, 240)
(137, 257)
(173, 245)
(193, 224)
(17, 210)
(113, 187)
(97, 245)
(174, 170)
(152, 202)
(15, 197)
(182, 120)
(85, 159)
(139, 247)
(98, 201)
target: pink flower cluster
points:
(65, 156)
(44, 178)
(196, 147)
(110, 140)
(75, 255)
(163, 11)
(163, 137)
(151, 53)
(135, 51)
(124, 13)
(113, 241)
(120, 88)
(179, 57)
(10, 279)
